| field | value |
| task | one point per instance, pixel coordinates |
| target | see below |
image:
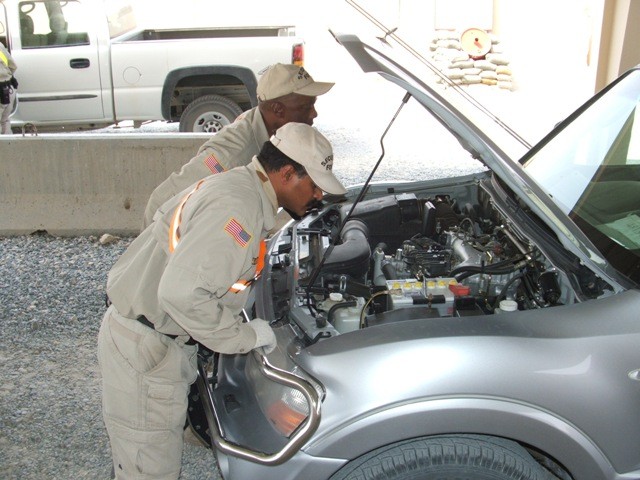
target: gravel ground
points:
(51, 308)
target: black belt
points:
(145, 321)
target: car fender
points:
(525, 424)
(245, 75)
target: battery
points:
(434, 292)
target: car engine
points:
(399, 257)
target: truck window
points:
(3, 27)
(52, 23)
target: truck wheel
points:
(209, 114)
(460, 456)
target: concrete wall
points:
(84, 184)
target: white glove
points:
(265, 336)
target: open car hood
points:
(479, 132)
(485, 137)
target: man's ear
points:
(287, 172)
(278, 109)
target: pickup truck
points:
(86, 64)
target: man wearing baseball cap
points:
(286, 93)
(186, 279)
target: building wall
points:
(620, 41)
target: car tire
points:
(446, 457)
(209, 114)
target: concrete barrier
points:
(73, 185)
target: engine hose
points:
(338, 306)
(363, 312)
(497, 265)
(503, 292)
(531, 290)
(473, 270)
(389, 271)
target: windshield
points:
(592, 171)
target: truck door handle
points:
(79, 63)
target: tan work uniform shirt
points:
(188, 291)
(234, 146)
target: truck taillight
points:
(297, 55)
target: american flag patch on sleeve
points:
(237, 231)
(212, 164)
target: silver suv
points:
(483, 326)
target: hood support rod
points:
(332, 240)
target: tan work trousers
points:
(5, 112)
(145, 383)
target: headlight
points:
(287, 413)
(286, 408)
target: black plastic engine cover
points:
(390, 219)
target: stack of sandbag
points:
(454, 63)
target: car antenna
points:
(363, 190)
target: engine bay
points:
(403, 256)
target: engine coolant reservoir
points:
(334, 298)
(348, 319)
(507, 306)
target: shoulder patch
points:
(237, 231)
(212, 164)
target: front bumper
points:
(299, 466)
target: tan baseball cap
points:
(282, 79)
(307, 146)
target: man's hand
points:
(265, 336)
